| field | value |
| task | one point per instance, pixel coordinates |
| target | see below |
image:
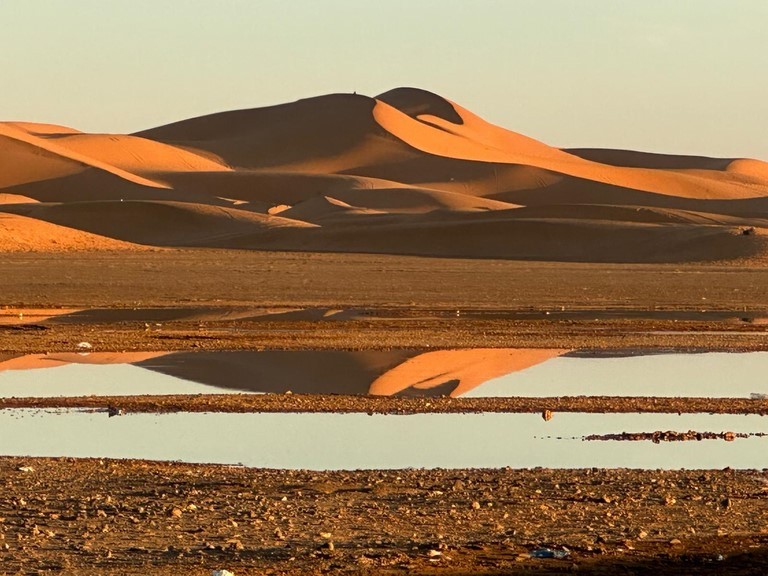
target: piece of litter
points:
(222, 573)
(549, 553)
(25, 469)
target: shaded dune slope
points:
(407, 172)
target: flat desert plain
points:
(442, 249)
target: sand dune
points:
(157, 223)
(138, 155)
(15, 138)
(407, 172)
(23, 234)
(15, 199)
(556, 239)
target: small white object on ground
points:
(85, 346)
(222, 573)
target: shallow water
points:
(359, 441)
(470, 373)
(98, 380)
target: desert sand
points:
(406, 172)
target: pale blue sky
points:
(686, 76)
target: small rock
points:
(675, 542)
(434, 554)
(176, 512)
(25, 469)
(547, 415)
(222, 573)
(235, 544)
(476, 505)
(84, 346)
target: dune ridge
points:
(406, 172)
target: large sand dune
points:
(407, 172)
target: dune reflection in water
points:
(470, 372)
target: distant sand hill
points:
(407, 172)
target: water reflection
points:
(485, 372)
(358, 441)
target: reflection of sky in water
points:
(714, 375)
(707, 375)
(359, 441)
(99, 380)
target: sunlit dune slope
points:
(23, 234)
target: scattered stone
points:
(235, 544)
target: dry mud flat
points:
(106, 517)
(134, 517)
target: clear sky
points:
(684, 76)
